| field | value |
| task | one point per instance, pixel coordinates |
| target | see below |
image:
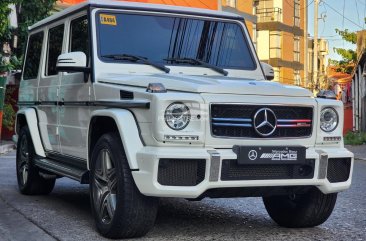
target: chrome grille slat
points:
(232, 124)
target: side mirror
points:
(268, 71)
(326, 94)
(73, 62)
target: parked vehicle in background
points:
(327, 94)
(147, 101)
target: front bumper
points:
(146, 177)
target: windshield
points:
(160, 38)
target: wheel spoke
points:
(106, 162)
(111, 204)
(113, 184)
(100, 177)
(24, 149)
(105, 184)
(23, 171)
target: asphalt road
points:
(65, 215)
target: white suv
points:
(145, 101)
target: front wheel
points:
(301, 210)
(119, 209)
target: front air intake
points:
(338, 169)
(181, 172)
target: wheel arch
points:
(28, 116)
(121, 121)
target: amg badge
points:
(270, 154)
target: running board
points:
(63, 169)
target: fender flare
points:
(32, 122)
(128, 131)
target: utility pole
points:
(306, 49)
(315, 58)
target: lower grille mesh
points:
(232, 171)
(338, 169)
(181, 172)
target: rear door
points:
(48, 111)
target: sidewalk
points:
(359, 151)
(6, 146)
(16, 226)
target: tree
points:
(5, 31)
(28, 13)
(349, 56)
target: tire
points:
(119, 209)
(301, 211)
(29, 180)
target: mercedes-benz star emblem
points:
(265, 122)
(252, 155)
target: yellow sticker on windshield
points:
(108, 19)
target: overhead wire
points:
(342, 15)
(344, 7)
(358, 14)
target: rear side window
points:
(55, 38)
(79, 35)
(33, 57)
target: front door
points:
(74, 93)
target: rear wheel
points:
(119, 209)
(301, 211)
(29, 180)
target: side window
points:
(55, 37)
(79, 35)
(33, 57)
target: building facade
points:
(279, 31)
(359, 85)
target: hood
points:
(208, 84)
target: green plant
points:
(355, 138)
(349, 56)
(8, 117)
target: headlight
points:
(328, 119)
(177, 116)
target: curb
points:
(360, 159)
(6, 148)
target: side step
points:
(63, 169)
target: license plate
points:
(270, 154)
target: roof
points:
(136, 6)
(207, 4)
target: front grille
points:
(181, 172)
(232, 171)
(338, 169)
(236, 120)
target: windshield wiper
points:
(198, 62)
(135, 58)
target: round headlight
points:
(328, 119)
(177, 116)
